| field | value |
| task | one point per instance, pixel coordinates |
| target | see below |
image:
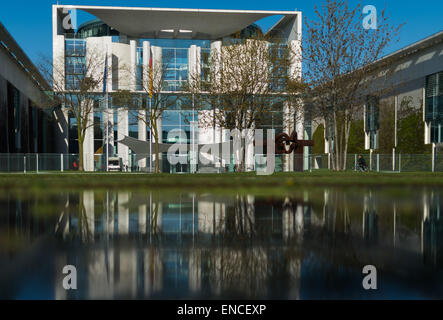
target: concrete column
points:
(295, 72)
(367, 138)
(146, 56)
(194, 146)
(216, 50)
(88, 203)
(206, 217)
(62, 130)
(299, 222)
(142, 214)
(195, 270)
(288, 127)
(288, 220)
(110, 211)
(326, 141)
(249, 145)
(97, 49)
(122, 131)
(88, 144)
(294, 269)
(160, 139)
(194, 65)
(249, 217)
(142, 133)
(427, 132)
(58, 60)
(156, 62)
(133, 64)
(300, 129)
(108, 119)
(108, 48)
(295, 68)
(123, 213)
(208, 134)
(159, 221)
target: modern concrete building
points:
(418, 77)
(25, 123)
(179, 40)
(413, 86)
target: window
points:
(205, 67)
(98, 132)
(75, 65)
(372, 120)
(278, 72)
(133, 124)
(177, 118)
(75, 48)
(73, 134)
(434, 105)
(175, 64)
(139, 69)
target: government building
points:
(179, 41)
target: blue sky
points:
(29, 21)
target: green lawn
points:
(56, 181)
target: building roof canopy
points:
(177, 23)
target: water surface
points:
(305, 244)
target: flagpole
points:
(107, 111)
(150, 110)
(107, 131)
(150, 136)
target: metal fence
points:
(383, 162)
(69, 162)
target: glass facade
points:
(178, 110)
(98, 132)
(73, 134)
(75, 63)
(278, 73)
(434, 106)
(372, 120)
(177, 43)
(75, 48)
(139, 69)
(175, 66)
(95, 28)
(177, 117)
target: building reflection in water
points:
(432, 228)
(155, 245)
(145, 245)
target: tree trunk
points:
(156, 146)
(157, 157)
(80, 141)
(335, 148)
(345, 149)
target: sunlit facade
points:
(179, 40)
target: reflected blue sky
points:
(309, 244)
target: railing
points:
(33, 162)
(384, 162)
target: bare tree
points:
(78, 88)
(244, 81)
(342, 67)
(149, 105)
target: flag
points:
(150, 75)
